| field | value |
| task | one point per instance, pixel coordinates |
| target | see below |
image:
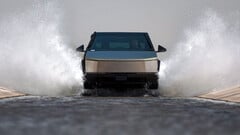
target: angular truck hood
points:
(120, 55)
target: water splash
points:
(33, 57)
(208, 59)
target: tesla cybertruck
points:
(117, 59)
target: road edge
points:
(8, 93)
(231, 94)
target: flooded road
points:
(117, 115)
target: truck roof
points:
(119, 33)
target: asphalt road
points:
(117, 116)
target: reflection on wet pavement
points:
(117, 115)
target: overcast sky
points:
(165, 20)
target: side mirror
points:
(161, 49)
(80, 48)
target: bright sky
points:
(165, 20)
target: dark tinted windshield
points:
(121, 42)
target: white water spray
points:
(33, 58)
(208, 59)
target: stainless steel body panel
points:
(122, 66)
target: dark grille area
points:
(121, 80)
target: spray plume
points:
(207, 60)
(33, 57)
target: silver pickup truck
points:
(118, 59)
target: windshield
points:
(121, 43)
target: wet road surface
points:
(117, 115)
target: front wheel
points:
(87, 85)
(153, 92)
(153, 85)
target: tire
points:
(87, 85)
(153, 92)
(153, 85)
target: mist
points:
(207, 59)
(34, 58)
